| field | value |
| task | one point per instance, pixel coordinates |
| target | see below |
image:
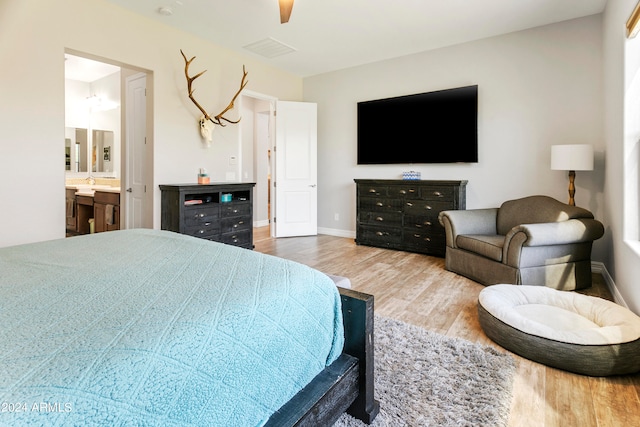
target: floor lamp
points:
(572, 158)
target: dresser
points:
(218, 212)
(403, 214)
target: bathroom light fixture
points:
(97, 103)
(572, 158)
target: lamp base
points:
(572, 187)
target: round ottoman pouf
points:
(566, 330)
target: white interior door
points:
(135, 180)
(296, 171)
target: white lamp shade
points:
(575, 157)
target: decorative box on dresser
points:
(218, 212)
(403, 214)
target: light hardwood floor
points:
(417, 289)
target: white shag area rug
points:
(427, 379)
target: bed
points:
(150, 328)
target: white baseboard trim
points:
(262, 223)
(598, 267)
(336, 232)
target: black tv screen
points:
(432, 127)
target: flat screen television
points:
(432, 127)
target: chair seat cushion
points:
(566, 330)
(487, 245)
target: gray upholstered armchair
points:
(535, 240)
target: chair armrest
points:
(557, 233)
(474, 221)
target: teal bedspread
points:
(153, 328)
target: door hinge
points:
(145, 188)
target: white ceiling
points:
(86, 70)
(329, 35)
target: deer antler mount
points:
(207, 121)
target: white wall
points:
(537, 88)
(34, 37)
(621, 64)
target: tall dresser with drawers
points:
(219, 212)
(403, 214)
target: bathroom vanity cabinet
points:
(103, 207)
(106, 211)
(218, 212)
(71, 211)
(84, 212)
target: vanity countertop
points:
(89, 190)
(109, 189)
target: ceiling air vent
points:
(269, 48)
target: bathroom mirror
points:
(76, 143)
(76, 147)
(102, 151)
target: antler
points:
(217, 119)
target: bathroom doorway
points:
(98, 96)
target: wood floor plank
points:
(417, 289)
(565, 406)
(610, 405)
(528, 403)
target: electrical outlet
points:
(336, 216)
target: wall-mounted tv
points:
(432, 127)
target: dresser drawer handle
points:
(380, 204)
(412, 190)
(427, 207)
(427, 223)
(437, 194)
(379, 218)
(409, 204)
(427, 239)
(372, 190)
(200, 215)
(200, 231)
(381, 233)
(403, 191)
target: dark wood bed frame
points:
(345, 385)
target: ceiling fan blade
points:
(285, 10)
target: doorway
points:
(97, 97)
(282, 146)
(257, 128)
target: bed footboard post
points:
(357, 314)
